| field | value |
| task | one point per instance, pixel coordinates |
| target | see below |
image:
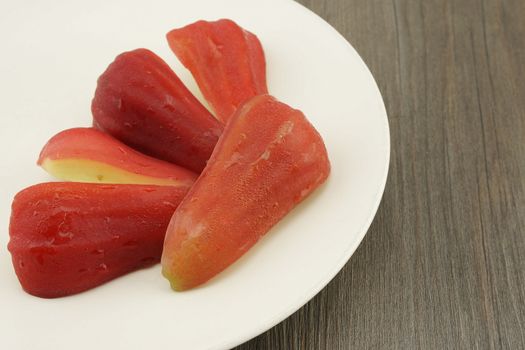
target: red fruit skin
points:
(67, 237)
(268, 159)
(140, 101)
(95, 145)
(226, 60)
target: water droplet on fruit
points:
(169, 204)
(234, 159)
(21, 264)
(149, 189)
(62, 237)
(116, 237)
(244, 247)
(168, 107)
(127, 125)
(65, 234)
(102, 267)
(265, 155)
(97, 251)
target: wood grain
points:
(443, 264)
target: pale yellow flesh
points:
(85, 170)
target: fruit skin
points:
(89, 155)
(268, 159)
(140, 101)
(67, 237)
(226, 60)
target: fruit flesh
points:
(89, 155)
(226, 60)
(268, 159)
(141, 101)
(83, 170)
(68, 237)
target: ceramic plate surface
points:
(52, 54)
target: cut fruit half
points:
(89, 155)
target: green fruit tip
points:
(174, 282)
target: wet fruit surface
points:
(268, 159)
(226, 60)
(140, 101)
(69, 237)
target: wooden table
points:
(443, 264)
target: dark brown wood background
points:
(443, 264)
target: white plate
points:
(52, 54)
